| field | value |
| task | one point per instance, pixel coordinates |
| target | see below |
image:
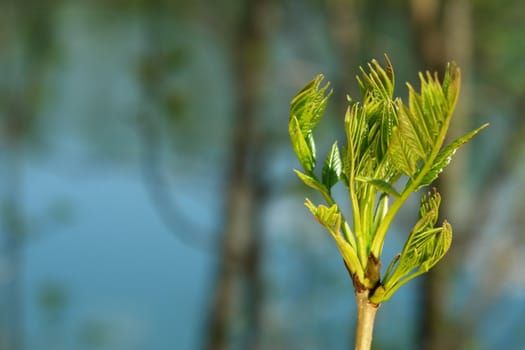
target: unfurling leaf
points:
(451, 84)
(302, 149)
(332, 220)
(378, 83)
(410, 132)
(311, 182)
(403, 156)
(430, 203)
(309, 104)
(306, 110)
(425, 246)
(328, 217)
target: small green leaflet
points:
(300, 146)
(311, 182)
(445, 156)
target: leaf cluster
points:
(392, 150)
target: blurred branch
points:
(152, 70)
(186, 230)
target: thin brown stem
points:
(366, 313)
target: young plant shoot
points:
(393, 149)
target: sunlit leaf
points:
(377, 86)
(409, 132)
(309, 104)
(403, 156)
(311, 182)
(331, 219)
(300, 146)
(377, 82)
(424, 247)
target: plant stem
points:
(366, 313)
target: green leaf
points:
(331, 219)
(301, 147)
(431, 109)
(381, 185)
(445, 156)
(442, 242)
(332, 167)
(328, 217)
(430, 204)
(311, 182)
(424, 247)
(409, 132)
(451, 84)
(403, 156)
(377, 86)
(357, 134)
(377, 83)
(381, 211)
(309, 138)
(310, 103)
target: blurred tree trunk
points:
(443, 32)
(153, 71)
(10, 240)
(235, 310)
(27, 40)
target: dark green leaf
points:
(332, 167)
(309, 138)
